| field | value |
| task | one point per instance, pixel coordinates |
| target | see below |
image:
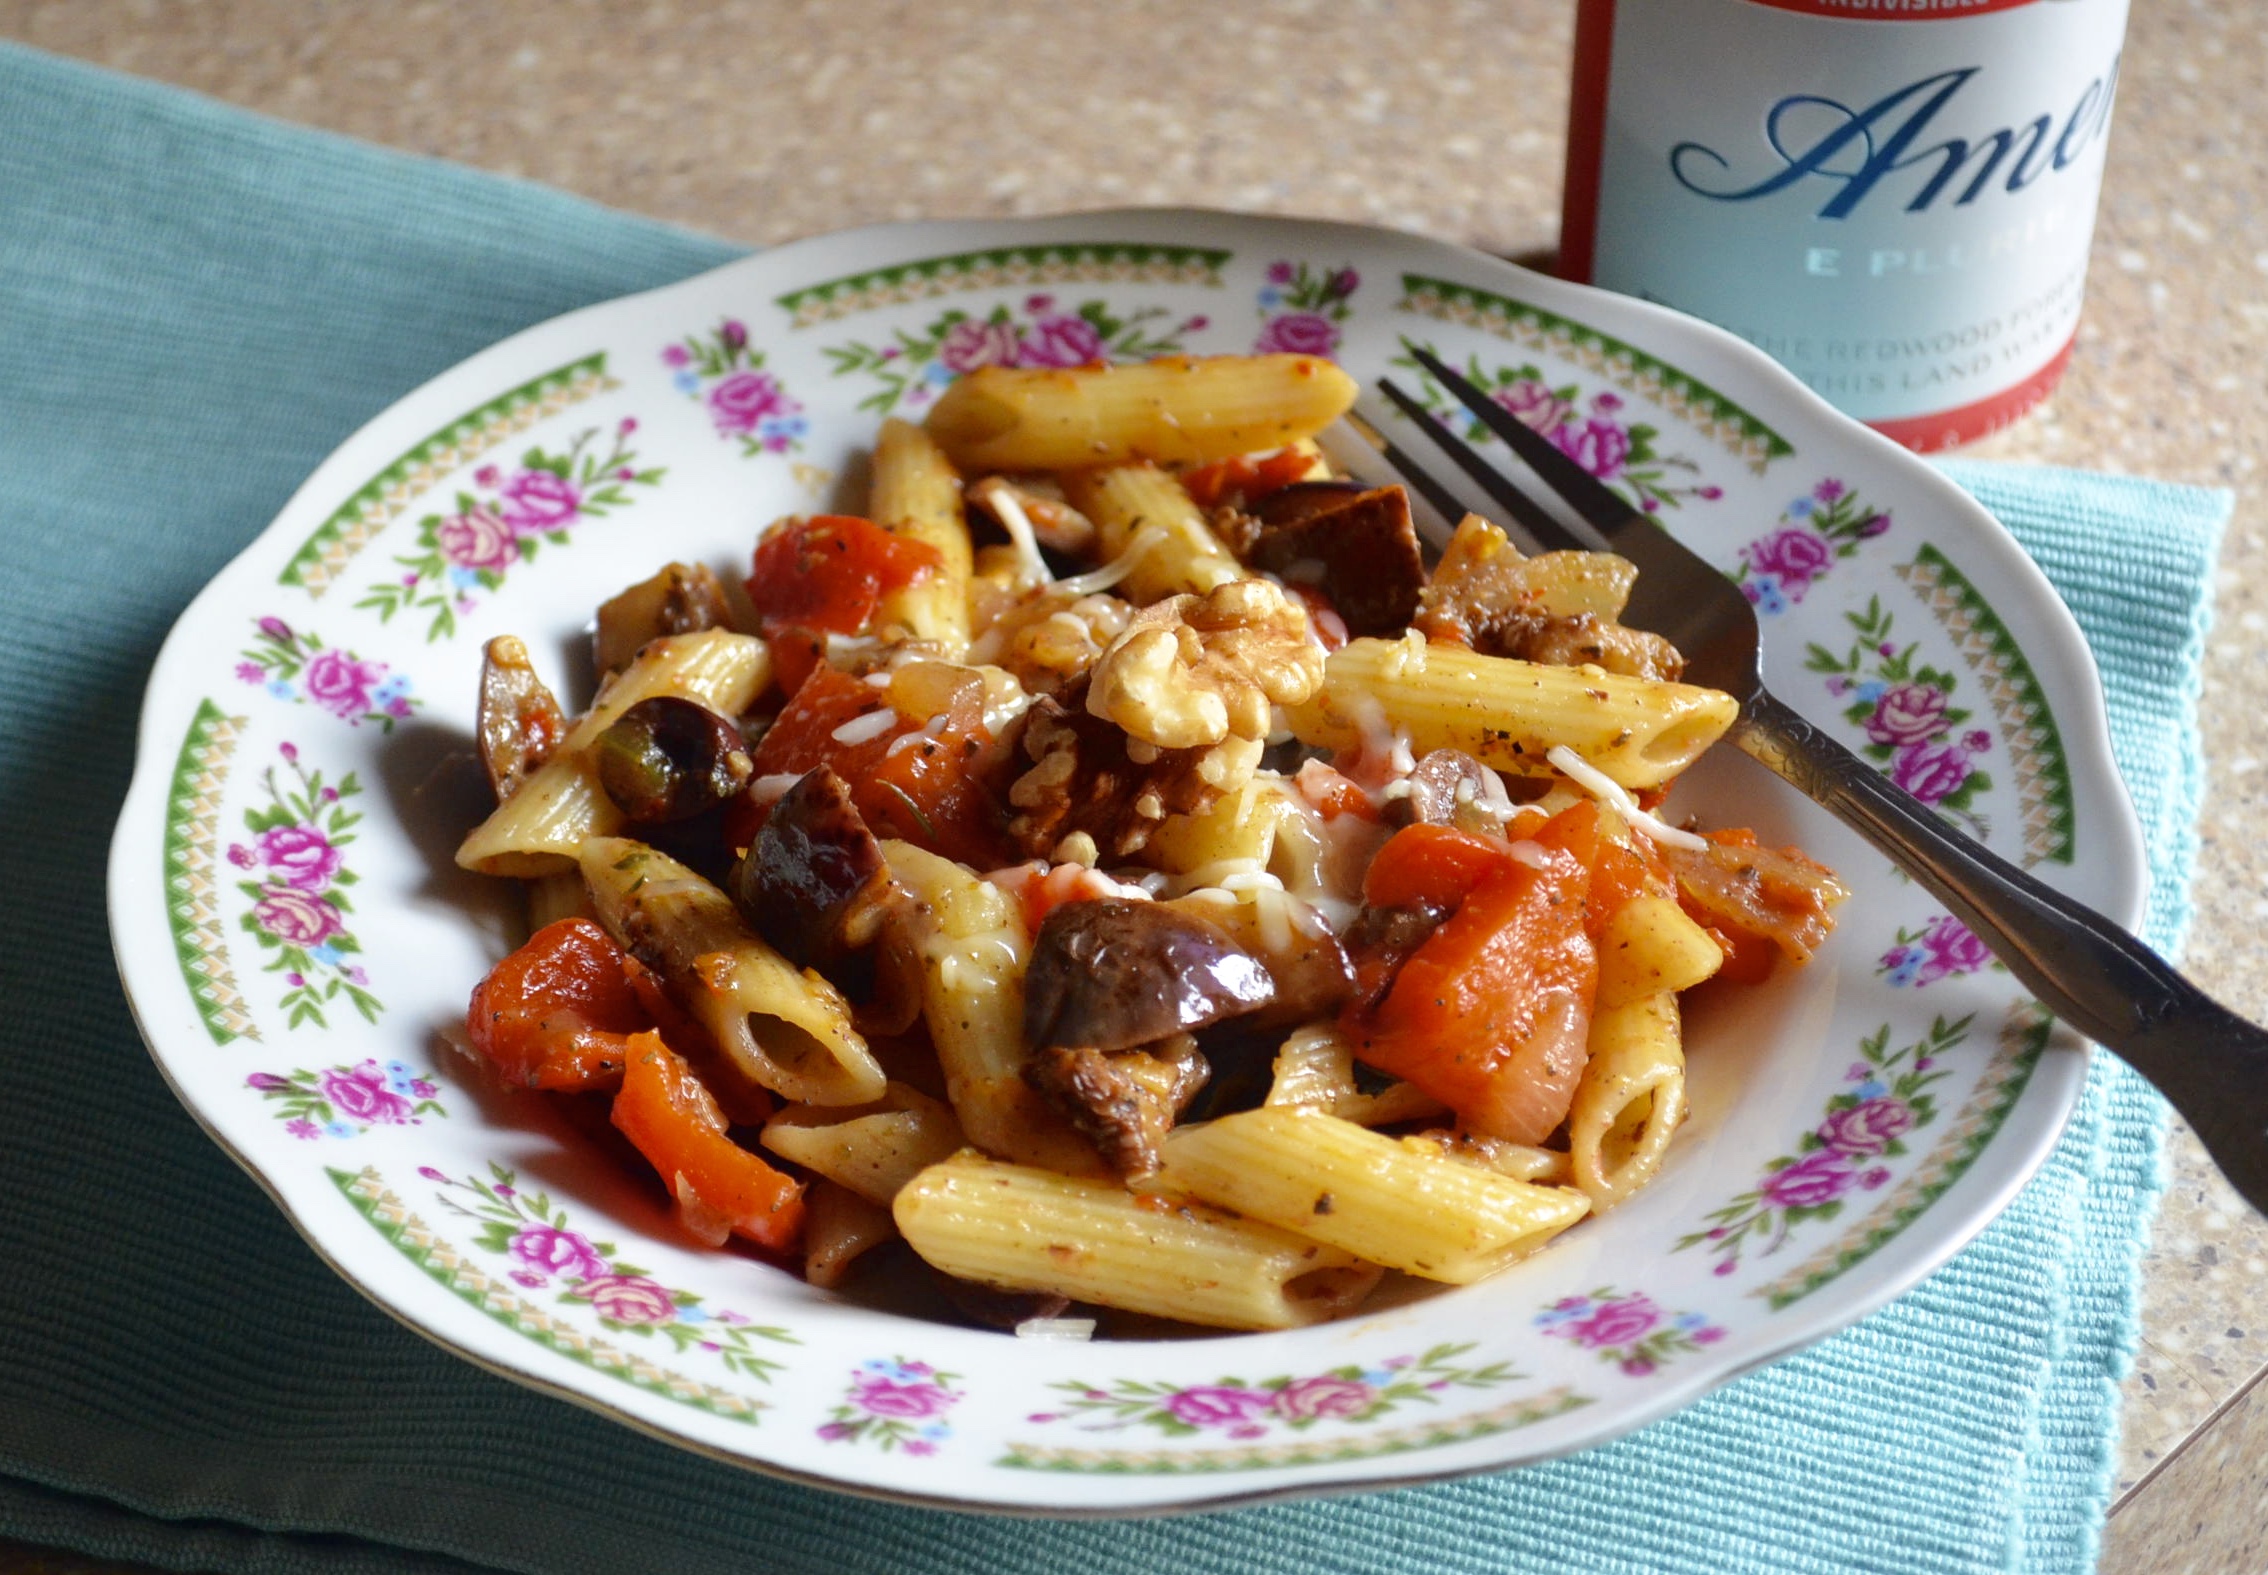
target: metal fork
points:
(2209, 1063)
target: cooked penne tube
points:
(917, 494)
(538, 829)
(1314, 1070)
(970, 937)
(1651, 944)
(1093, 1241)
(1144, 509)
(1508, 713)
(1363, 1191)
(1630, 1100)
(555, 897)
(789, 1030)
(872, 1152)
(1546, 1167)
(1237, 833)
(1176, 410)
(838, 1225)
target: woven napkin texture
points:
(198, 306)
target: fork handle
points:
(2211, 1064)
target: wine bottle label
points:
(1894, 198)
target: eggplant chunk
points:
(683, 599)
(520, 722)
(1125, 1103)
(1113, 973)
(815, 884)
(1435, 787)
(669, 758)
(1358, 546)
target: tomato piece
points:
(830, 571)
(931, 792)
(1491, 1014)
(1245, 478)
(1435, 865)
(670, 1117)
(797, 653)
(558, 1012)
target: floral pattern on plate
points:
(1944, 948)
(1627, 1329)
(508, 517)
(1302, 308)
(1815, 532)
(1596, 430)
(348, 1100)
(1886, 1096)
(915, 366)
(531, 1232)
(1904, 703)
(723, 374)
(895, 1405)
(1239, 1408)
(295, 665)
(299, 905)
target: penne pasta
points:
(1314, 1070)
(1176, 410)
(790, 1030)
(973, 946)
(1143, 510)
(838, 1225)
(1509, 714)
(873, 1152)
(1094, 1241)
(1363, 1191)
(539, 828)
(917, 494)
(1630, 1100)
(555, 897)
(1649, 945)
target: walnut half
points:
(1195, 671)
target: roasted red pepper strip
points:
(1435, 865)
(669, 1117)
(1491, 1015)
(557, 1013)
(829, 573)
(1243, 479)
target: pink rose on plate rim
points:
(740, 402)
(301, 854)
(1908, 714)
(537, 500)
(1339, 1399)
(1599, 446)
(627, 1298)
(1297, 333)
(340, 684)
(1819, 1177)
(1952, 948)
(360, 1094)
(1866, 1129)
(1932, 772)
(552, 1251)
(1060, 340)
(1616, 1322)
(479, 538)
(972, 342)
(1210, 1405)
(296, 918)
(1534, 404)
(1795, 556)
(910, 1402)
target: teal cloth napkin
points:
(198, 306)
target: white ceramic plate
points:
(294, 937)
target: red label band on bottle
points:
(1899, 214)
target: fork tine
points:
(1532, 517)
(1582, 491)
(1444, 499)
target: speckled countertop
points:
(764, 122)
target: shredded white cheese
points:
(1609, 792)
(772, 787)
(1056, 1329)
(997, 496)
(867, 728)
(1117, 569)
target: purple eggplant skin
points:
(668, 759)
(1113, 973)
